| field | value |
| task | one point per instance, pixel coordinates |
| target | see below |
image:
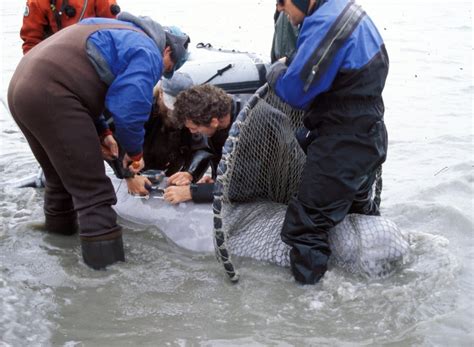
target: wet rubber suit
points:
(56, 96)
(204, 192)
(337, 75)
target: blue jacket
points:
(336, 50)
(130, 63)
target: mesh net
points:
(259, 171)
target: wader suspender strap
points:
(56, 14)
(337, 35)
(83, 11)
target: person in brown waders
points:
(57, 96)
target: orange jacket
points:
(39, 20)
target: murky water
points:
(166, 296)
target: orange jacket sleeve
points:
(35, 21)
(39, 19)
(106, 8)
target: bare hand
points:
(109, 148)
(136, 185)
(177, 194)
(180, 179)
(134, 166)
(206, 179)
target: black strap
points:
(203, 45)
(219, 73)
(57, 16)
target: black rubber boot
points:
(62, 226)
(100, 251)
(308, 265)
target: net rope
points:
(259, 172)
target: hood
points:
(153, 29)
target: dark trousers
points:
(337, 179)
(54, 96)
(73, 168)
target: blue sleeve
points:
(136, 64)
(290, 86)
(130, 97)
(363, 44)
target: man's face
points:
(205, 130)
(294, 14)
(168, 63)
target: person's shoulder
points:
(43, 3)
(39, 4)
(101, 20)
(329, 11)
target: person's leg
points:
(322, 201)
(60, 216)
(378, 187)
(67, 135)
(368, 197)
(75, 153)
(364, 200)
(339, 171)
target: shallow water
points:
(167, 296)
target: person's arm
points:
(130, 96)
(35, 21)
(292, 83)
(198, 193)
(196, 165)
(102, 127)
(177, 194)
(106, 8)
(202, 192)
(200, 158)
(181, 178)
(109, 146)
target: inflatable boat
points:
(235, 72)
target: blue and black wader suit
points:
(337, 75)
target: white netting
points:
(260, 170)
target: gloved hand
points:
(277, 69)
(305, 137)
(134, 166)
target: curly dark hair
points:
(201, 103)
